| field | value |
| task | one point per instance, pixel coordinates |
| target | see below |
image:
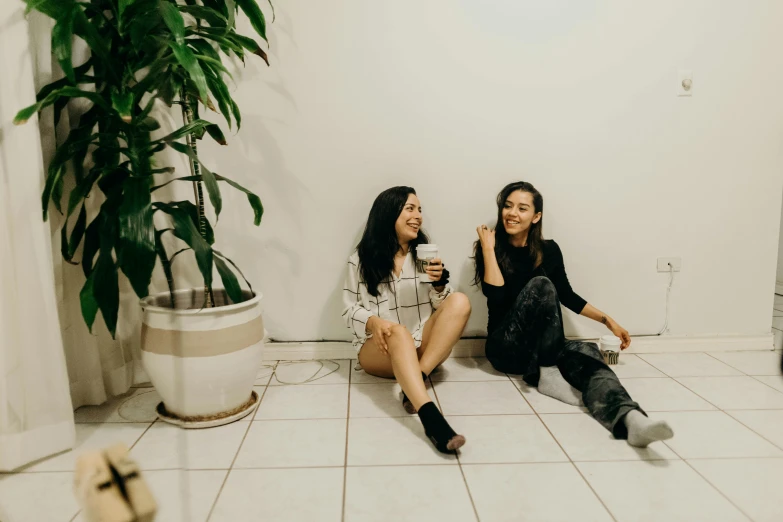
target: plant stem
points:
(188, 115)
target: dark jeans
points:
(531, 335)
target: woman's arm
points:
(355, 315)
(577, 304)
(597, 315)
(492, 273)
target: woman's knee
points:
(459, 302)
(400, 339)
(541, 283)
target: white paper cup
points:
(610, 348)
(425, 253)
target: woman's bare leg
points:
(401, 362)
(442, 331)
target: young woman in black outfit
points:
(523, 277)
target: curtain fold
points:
(36, 413)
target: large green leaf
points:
(173, 19)
(137, 234)
(209, 178)
(106, 290)
(219, 90)
(80, 73)
(88, 302)
(216, 133)
(236, 113)
(183, 131)
(92, 243)
(208, 61)
(185, 230)
(218, 36)
(67, 91)
(160, 250)
(53, 186)
(203, 47)
(56, 9)
(68, 247)
(237, 269)
(255, 201)
(62, 42)
(253, 12)
(230, 282)
(209, 15)
(251, 45)
(140, 19)
(82, 190)
(192, 211)
(187, 59)
(105, 278)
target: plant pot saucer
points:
(210, 421)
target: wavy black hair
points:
(379, 242)
(535, 236)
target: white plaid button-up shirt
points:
(408, 300)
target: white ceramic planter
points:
(202, 361)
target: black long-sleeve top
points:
(500, 299)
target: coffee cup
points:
(610, 348)
(425, 253)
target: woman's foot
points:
(643, 431)
(445, 439)
(552, 383)
(406, 402)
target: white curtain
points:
(98, 366)
(36, 414)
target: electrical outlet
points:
(663, 264)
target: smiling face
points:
(519, 213)
(409, 221)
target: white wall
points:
(458, 98)
(780, 254)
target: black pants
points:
(531, 336)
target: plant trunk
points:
(189, 109)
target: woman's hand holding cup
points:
(434, 269)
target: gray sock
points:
(552, 383)
(643, 431)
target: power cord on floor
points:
(314, 377)
(668, 294)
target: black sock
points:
(438, 430)
(406, 402)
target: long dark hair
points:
(535, 236)
(379, 242)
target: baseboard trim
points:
(293, 351)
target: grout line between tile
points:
(233, 461)
(724, 362)
(142, 435)
(705, 479)
(347, 432)
(779, 446)
(766, 384)
(459, 463)
(570, 460)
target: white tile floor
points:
(342, 448)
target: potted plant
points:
(201, 347)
